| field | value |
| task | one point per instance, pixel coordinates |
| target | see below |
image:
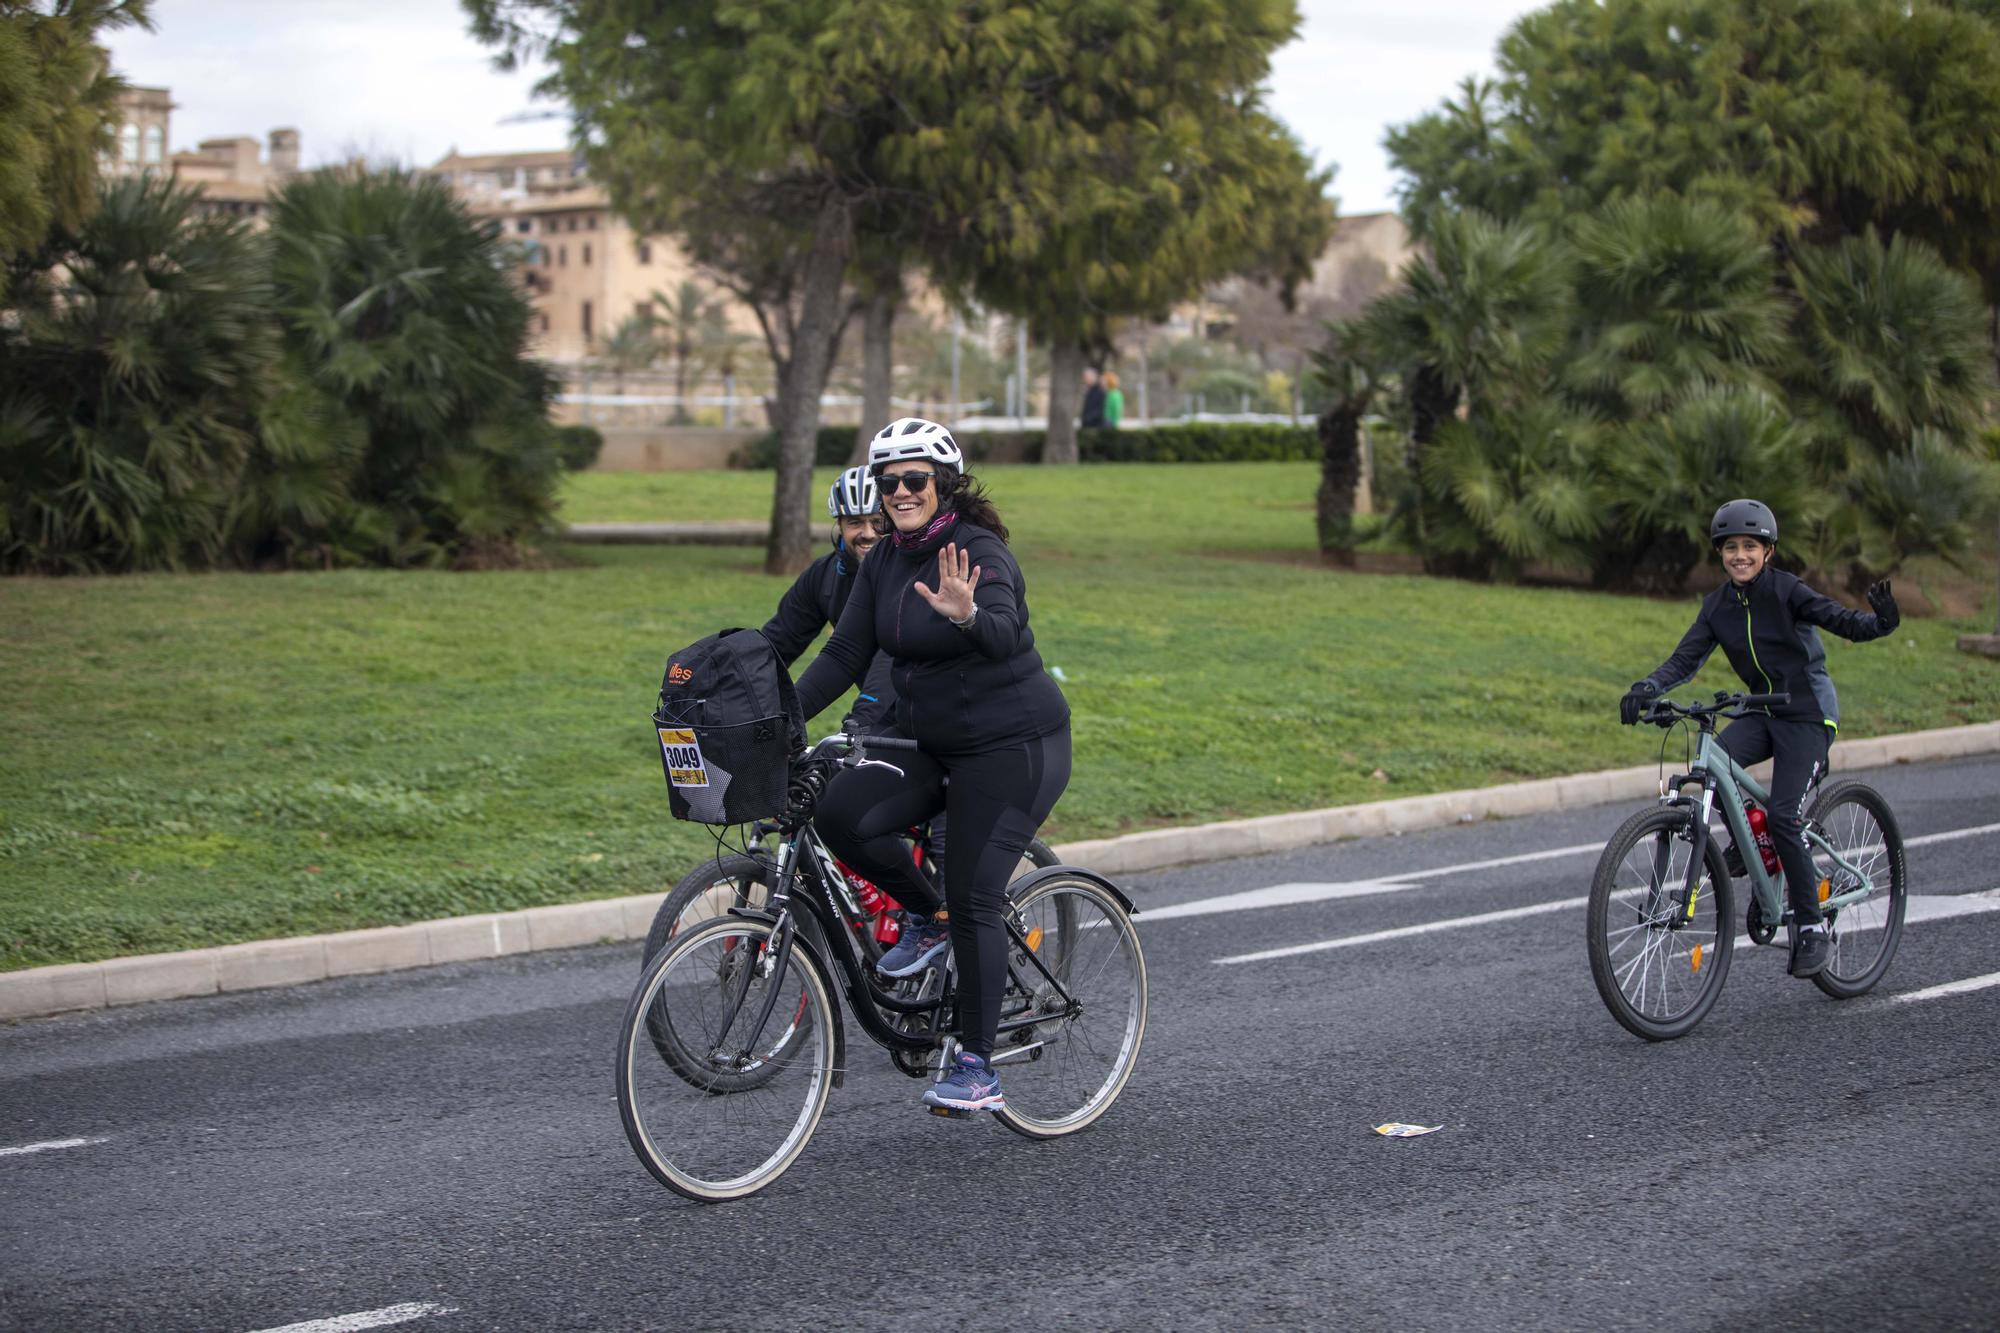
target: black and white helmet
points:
(1744, 518)
(853, 495)
(914, 437)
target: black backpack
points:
(728, 723)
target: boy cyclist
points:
(1763, 619)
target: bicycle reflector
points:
(1035, 937)
(1694, 959)
(1825, 889)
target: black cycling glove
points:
(1884, 603)
(1635, 701)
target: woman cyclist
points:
(1763, 619)
(944, 598)
(818, 596)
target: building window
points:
(644, 310)
(586, 321)
(546, 257)
(586, 252)
(562, 256)
(128, 143)
(590, 223)
(645, 253)
(524, 226)
(155, 143)
(545, 321)
(551, 225)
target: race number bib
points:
(685, 767)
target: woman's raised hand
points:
(957, 577)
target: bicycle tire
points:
(1852, 972)
(676, 1117)
(1649, 951)
(1047, 1069)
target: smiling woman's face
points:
(909, 510)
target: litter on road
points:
(1396, 1129)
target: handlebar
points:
(1665, 712)
(883, 742)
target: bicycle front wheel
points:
(1659, 952)
(1861, 829)
(726, 1059)
(1061, 1073)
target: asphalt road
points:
(447, 1139)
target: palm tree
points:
(1891, 348)
(1672, 295)
(1662, 474)
(131, 382)
(683, 320)
(399, 314)
(633, 345)
(1514, 487)
(1478, 324)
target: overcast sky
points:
(402, 79)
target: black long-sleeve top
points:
(814, 601)
(958, 691)
(1766, 630)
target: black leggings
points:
(996, 801)
(1799, 750)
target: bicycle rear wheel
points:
(1858, 824)
(1061, 1074)
(1658, 959)
(715, 1104)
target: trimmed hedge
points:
(1195, 442)
(579, 446)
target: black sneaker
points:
(1732, 861)
(1809, 950)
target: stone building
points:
(140, 143)
(236, 175)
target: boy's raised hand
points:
(1884, 602)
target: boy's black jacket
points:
(1767, 631)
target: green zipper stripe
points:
(1750, 637)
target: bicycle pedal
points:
(951, 1112)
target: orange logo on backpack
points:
(679, 674)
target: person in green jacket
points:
(1114, 401)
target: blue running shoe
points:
(922, 941)
(970, 1086)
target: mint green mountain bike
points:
(1662, 917)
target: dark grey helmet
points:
(1744, 518)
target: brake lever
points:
(874, 763)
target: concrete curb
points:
(35, 992)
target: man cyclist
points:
(817, 597)
(1763, 619)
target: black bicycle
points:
(733, 1041)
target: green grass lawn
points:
(202, 759)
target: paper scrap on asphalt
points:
(1396, 1129)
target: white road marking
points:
(1401, 932)
(1949, 988)
(44, 1147)
(382, 1318)
(1296, 894)
(1918, 907)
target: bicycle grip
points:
(885, 743)
(1766, 700)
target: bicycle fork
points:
(1688, 897)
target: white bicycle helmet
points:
(853, 495)
(914, 437)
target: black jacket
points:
(1091, 416)
(814, 601)
(958, 691)
(1766, 630)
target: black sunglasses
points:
(916, 483)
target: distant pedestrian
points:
(1114, 401)
(1092, 416)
